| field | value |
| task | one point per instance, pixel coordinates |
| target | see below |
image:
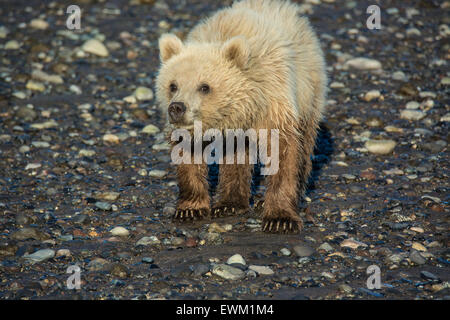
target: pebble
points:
(63, 253)
(147, 260)
(42, 76)
(120, 231)
(200, 269)
(393, 129)
(417, 229)
(285, 252)
(372, 95)
(380, 146)
(345, 288)
(213, 238)
(399, 76)
(337, 85)
(354, 244)
(394, 258)
(40, 255)
(143, 94)
(130, 99)
(32, 166)
(348, 176)
(12, 45)
(215, 227)
(169, 210)
(111, 138)
(228, 272)
(191, 242)
(145, 241)
(363, 64)
(412, 105)
(29, 233)
(161, 147)
(339, 163)
(40, 144)
(413, 32)
(157, 173)
(303, 250)
(106, 206)
(119, 270)
(392, 11)
(142, 172)
(3, 32)
(445, 118)
(109, 196)
(75, 89)
(427, 94)
(429, 276)
(263, 270)
(412, 114)
(325, 246)
(97, 264)
(66, 237)
(95, 47)
(45, 125)
(176, 241)
(304, 260)
(35, 86)
(327, 275)
(237, 258)
(86, 153)
(416, 257)
(39, 24)
(440, 286)
(26, 114)
(81, 219)
(19, 94)
(372, 293)
(150, 129)
(435, 147)
(419, 247)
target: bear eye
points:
(173, 87)
(205, 89)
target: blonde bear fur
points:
(263, 67)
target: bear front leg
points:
(193, 203)
(279, 210)
(233, 189)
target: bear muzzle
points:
(176, 111)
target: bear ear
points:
(237, 51)
(169, 45)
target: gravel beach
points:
(86, 178)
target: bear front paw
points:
(281, 225)
(189, 214)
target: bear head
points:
(204, 81)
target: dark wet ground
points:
(64, 185)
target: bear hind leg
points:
(233, 190)
(279, 210)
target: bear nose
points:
(176, 111)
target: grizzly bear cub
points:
(257, 64)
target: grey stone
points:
(303, 250)
(228, 272)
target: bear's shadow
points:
(322, 153)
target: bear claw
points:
(258, 206)
(189, 214)
(223, 211)
(281, 225)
